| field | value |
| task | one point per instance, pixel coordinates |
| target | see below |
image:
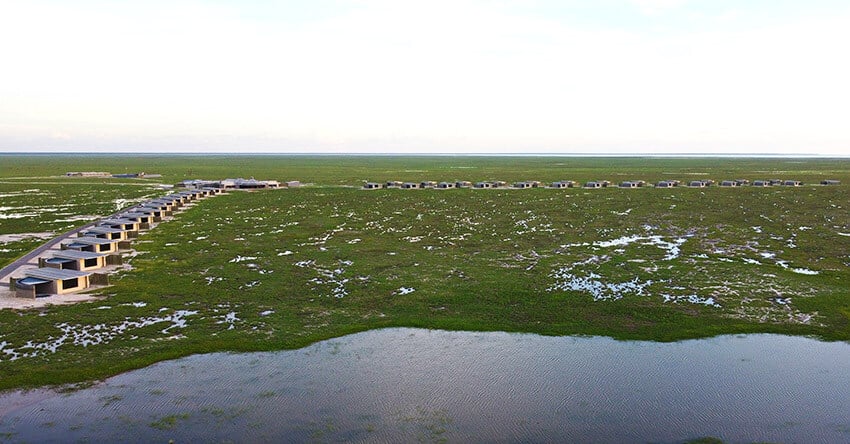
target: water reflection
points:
(418, 385)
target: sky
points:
(420, 77)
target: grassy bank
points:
(282, 269)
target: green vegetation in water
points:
(282, 269)
(169, 422)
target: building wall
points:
(82, 284)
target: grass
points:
(282, 269)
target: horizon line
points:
(446, 154)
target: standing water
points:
(403, 385)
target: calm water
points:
(403, 385)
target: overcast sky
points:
(428, 76)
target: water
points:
(404, 385)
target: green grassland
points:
(284, 268)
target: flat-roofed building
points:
(564, 184)
(163, 204)
(178, 199)
(93, 244)
(76, 260)
(105, 233)
(141, 218)
(121, 224)
(50, 281)
(154, 213)
(164, 209)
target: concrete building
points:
(155, 214)
(164, 204)
(50, 281)
(141, 218)
(564, 184)
(74, 260)
(165, 210)
(93, 244)
(105, 233)
(250, 184)
(121, 224)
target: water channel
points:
(413, 385)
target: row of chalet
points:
(237, 184)
(592, 184)
(82, 260)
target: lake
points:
(403, 385)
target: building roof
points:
(74, 254)
(162, 203)
(92, 240)
(131, 214)
(118, 220)
(145, 210)
(102, 230)
(54, 274)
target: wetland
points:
(624, 269)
